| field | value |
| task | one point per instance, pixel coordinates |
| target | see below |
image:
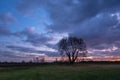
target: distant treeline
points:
(30, 64)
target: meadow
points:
(62, 72)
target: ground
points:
(63, 72)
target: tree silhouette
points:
(72, 47)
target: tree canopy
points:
(72, 47)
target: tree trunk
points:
(71, 62)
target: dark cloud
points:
(99, 30)
(32, 50)
(22, 49)
(68, 15)
(102, 53)
(70, 10)
(10, 54)
(4, 31)
(90, 20)
(33, 37)
(29, 7)
(5, 20)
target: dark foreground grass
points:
(63, 72)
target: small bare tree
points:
(72, 47)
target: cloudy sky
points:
(31, 28)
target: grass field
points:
(63, 72)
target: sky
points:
(32, 28)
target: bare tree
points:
(72, 47)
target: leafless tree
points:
(71, 47)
